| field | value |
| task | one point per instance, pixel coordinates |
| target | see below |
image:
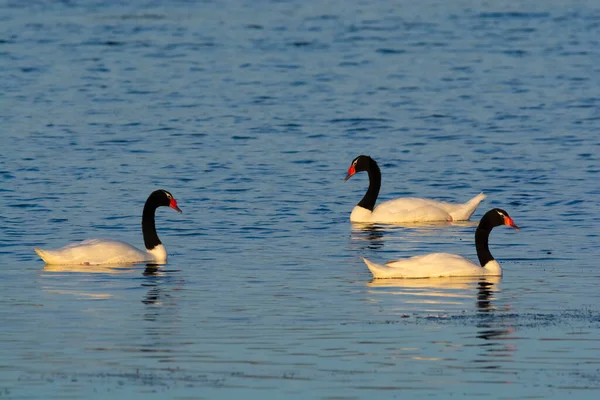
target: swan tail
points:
(467, 209)
(45, 255)
(51, 257)
(379, 271)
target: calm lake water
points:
(250, 113)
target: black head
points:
(162, 198)
(360, 163)
(497, 217)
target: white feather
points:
(102, 251)
(434, 265)
(410, 209)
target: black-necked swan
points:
(407, 209)
(108, 251)
(438, 265)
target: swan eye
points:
(168, 195)
(500, 213)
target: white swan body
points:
(404, 209)
(436, 265)
(102, 251)
(108, 251)
(409, 209)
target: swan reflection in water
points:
(161, 285)
(66, 286)
(492, 329)
(441, 292)
(152, 270)
(465, 282)
(485, 292)
(152, 273)
(91, 269)
(489, 328)
(372, 236)
(369, 236)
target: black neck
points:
(151, 239)
(482, 235)
(369, 199)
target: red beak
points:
(173, 205)
(509, 222)
(351, 171)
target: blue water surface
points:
(250, 113)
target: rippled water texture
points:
(250, 113)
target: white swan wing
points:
(409, 210)
(427, 266)
(95, 252)
(412, 209)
